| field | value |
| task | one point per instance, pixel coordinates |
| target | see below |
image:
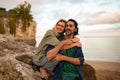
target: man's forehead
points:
(70, 22)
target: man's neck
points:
(69, 36)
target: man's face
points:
(60, 27)
(70, 28)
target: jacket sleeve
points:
(79, 54)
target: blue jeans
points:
(70, 78)
(49, 65)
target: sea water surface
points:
(99, 48)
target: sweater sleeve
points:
(48, 39)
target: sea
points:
(99, 48)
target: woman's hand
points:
(68, 46)
(58, 58)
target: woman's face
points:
(60, 27)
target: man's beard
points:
(68, 33)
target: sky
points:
(95, 17)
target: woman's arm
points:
(77, 59)
(60, 57)
(53, 52)
(77, 44)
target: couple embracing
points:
(59, 53)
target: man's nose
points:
(67, 27)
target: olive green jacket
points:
(48, 39)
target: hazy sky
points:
(93, 16)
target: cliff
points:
(28, 36)
(21, 29)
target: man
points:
(68, 67)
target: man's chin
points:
(68, 33)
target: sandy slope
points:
(106, 70)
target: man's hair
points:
(76, 25)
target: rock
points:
(10, 45)
(6, 50)
(5, 38)
(30, 42)
(37, 76)
(1, 54)
(7, 71)
(2, 38)
(25, 58)
(88, 72)
(15, 60)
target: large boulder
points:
(88, 72)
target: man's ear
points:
(75, 30)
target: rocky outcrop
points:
(16, 61)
